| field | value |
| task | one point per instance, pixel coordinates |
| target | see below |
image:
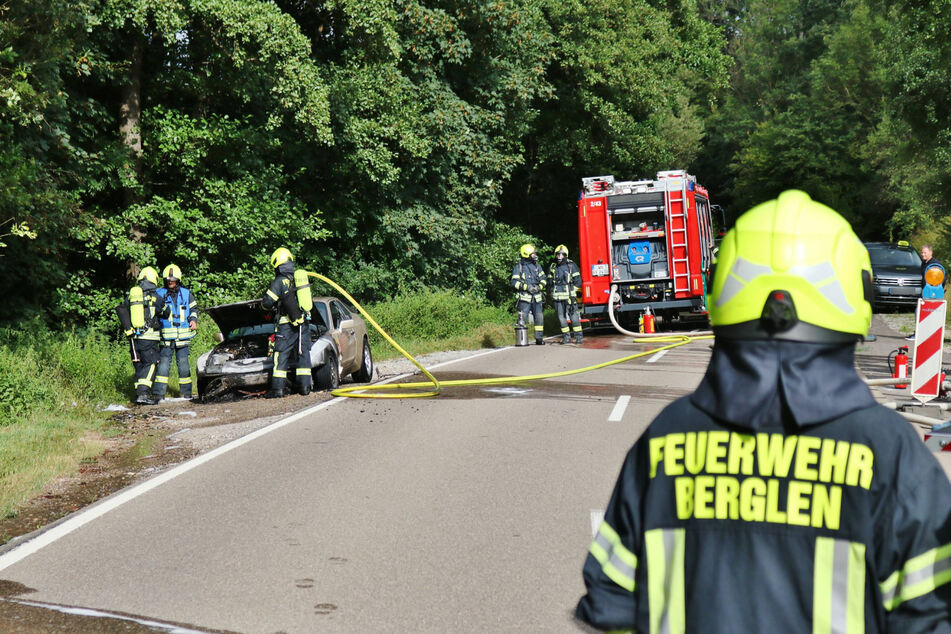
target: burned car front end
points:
(243, 359)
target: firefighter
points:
(177, 332)
(528, 280)
(292, 339)
(779, 496)
(565, 281)
(141, 313)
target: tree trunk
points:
(130, 114)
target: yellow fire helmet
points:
(527, 250)
(148, 273)
(172, 272)
(280, 256)
(791, 269)
(561, 249)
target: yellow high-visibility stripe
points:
(838, 593)
(617, 562)
(665, 580)
(919, 576)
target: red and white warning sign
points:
(938, 441)
(929, 343)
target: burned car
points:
(243, 359)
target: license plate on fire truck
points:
(599, 269)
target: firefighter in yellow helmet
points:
(292, 337)
(140, 314)
(565, 279)
(779, 496)
(528, 280)
(178, 329)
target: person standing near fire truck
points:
(779, 496)
(292, 340)
(178, 329)
(140, 314)
(565, 282)
(528, 280)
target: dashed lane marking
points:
(618, 412)
(597, 516)
(655, 357)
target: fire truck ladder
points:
(677, 225)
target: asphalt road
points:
(471, 511)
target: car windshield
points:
(250, 331)
(322, 309)
(893, 256)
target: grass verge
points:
(53, 388)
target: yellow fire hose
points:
(435, 386)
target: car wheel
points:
(365, 373)
(328, 375)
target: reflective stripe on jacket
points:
(525, 275)
(282, 295)
(565, 280)
(845, 527)
(182, 309)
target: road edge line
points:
(18, 552)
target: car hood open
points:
(239, 315)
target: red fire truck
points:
(646, 243)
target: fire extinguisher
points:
(900, 368)
(648, 320)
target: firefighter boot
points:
(565, 339)
(539, 342)
(144, 398)
(277, 389)
(577, 337)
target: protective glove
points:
(533, 289)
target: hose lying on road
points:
(700, 334)
(435, 386)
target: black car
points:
(896, 274)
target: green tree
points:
(630, 81)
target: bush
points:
(24, 388)
(431, 320)
(435, 315)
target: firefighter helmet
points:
(280, 256)
(527, 250)
(791, 269)
(561, 249)
(172, 272)
(148, 273)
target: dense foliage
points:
(847, 100)
(393, 146)
(402, 146)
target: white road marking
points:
(22, 551)
(618, 412)
(172, 629)
(597, 516)
(655, 357)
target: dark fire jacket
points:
(779, 497)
